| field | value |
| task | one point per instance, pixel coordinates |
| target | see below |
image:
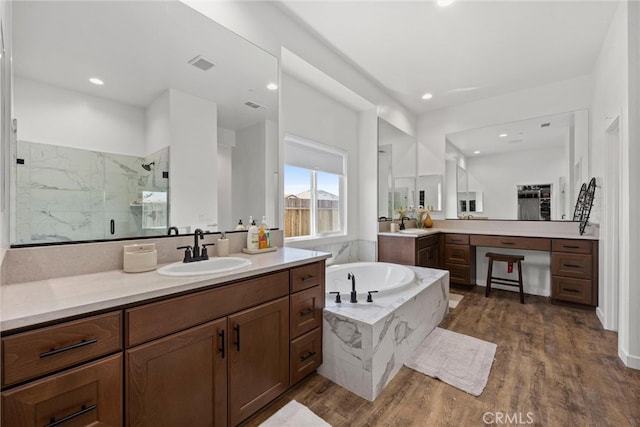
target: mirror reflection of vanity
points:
(182, 132)
(488, 168)
(396, 169)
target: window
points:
(314, 183)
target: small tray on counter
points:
(258, 251)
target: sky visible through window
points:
(298, 180)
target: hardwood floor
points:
(554, 366)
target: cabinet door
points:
(86, 396)
(179, 380)
(258, 357)
(428, 257)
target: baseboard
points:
(629, 360)
(600, 316)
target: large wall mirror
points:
(181, 129)
(526, 170)
(396, 170)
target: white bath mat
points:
(294, 414)
(458, 360)
(454, 300)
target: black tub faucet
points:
(354, 294)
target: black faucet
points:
(402, 227)
(354, 294)
(196, 249)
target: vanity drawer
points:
(307, 276)
(572, 265)
(427, 241)
(457, 254)
(306, 310)
(572, 290)
(306, 355)
(159, 319)
(527, 243)
(459, 274)
(574, 246)
(457, 239)
(90, 395)
(34, 353)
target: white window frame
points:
(313, 205)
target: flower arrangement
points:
(401, 211)
(421, 212)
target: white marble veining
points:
(30, 303)
(345, 252)
(70, 194)
(365, 344)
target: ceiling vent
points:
(545, 125)
(201, 62)
(253, 105)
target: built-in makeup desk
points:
(573, 258)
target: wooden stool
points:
(500, 280)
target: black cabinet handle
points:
(306, 312)
(221, 348)
(572, 266)
(307, 355)
(69, 347)
(570, 247)
(112, 226)
(237, 343)
(308, 278)
(82, 411)
(507, 243)
(571, 290)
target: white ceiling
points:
(471, 50)
(522, 136)
(140, 49)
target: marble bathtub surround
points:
(31, 303)
(47, 262)
(345, 252)
(366, 344)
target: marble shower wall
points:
(70, 194)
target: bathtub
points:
(366, 343)
(369, 276)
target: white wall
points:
(53, 115)
(615, 97)
(226, 142)
(307, 113)
(498, 176)
(158, 124)
(248, 196)
(193, 165)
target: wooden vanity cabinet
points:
(421, 251)
(460, 259)
(574, 271)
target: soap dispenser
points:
(252, 235)
(240, 225)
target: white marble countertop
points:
(387, 303)
(31, 303)
(495, 232)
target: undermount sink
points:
(210, 266)
(416, 231)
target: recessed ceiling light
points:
(503, 135)
(272, 86)
(444, 3)
(476, 152)
(96, 81)
(427, 96)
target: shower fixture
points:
(147, 166)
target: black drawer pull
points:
(572, 266)
(570, 247)
(306, 312)
(571, 290)
(69, 347)
(221, 348)
(507, 243)
(308, 278)
(237, 343)
(84, 410)
(307, 355)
